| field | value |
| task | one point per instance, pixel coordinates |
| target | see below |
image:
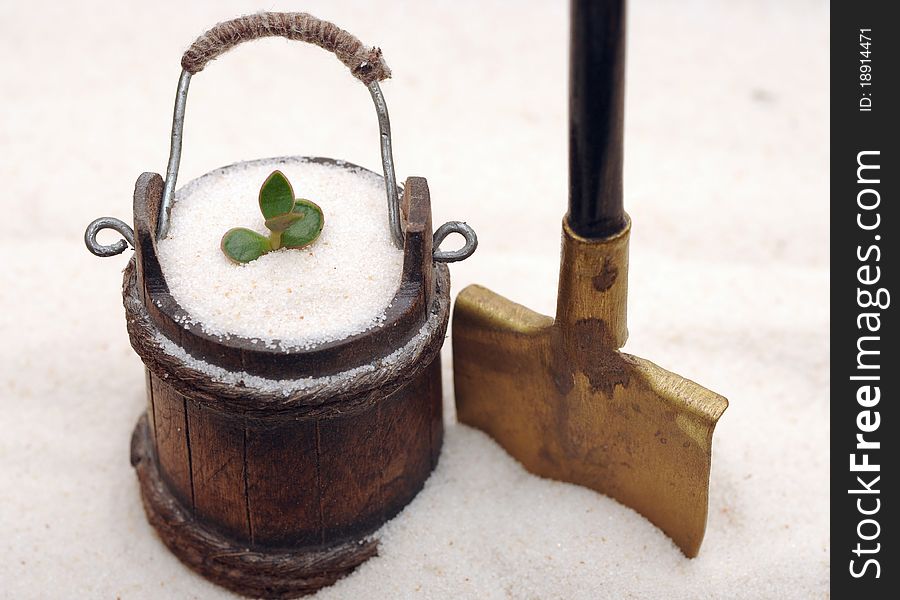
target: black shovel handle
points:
(596, 116)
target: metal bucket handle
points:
(366, 64)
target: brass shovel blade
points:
(560, 397)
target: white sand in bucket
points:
(339, 286)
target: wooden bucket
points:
(268, 492)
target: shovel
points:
(558, 394)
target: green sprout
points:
(293, 223)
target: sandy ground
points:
(726, 162)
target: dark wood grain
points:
(172, 440)
(311, 484)
(147, 195)
(350, 474)
(151, 416)
(287, 573)
(218, 470)
(435, 394)
(371, 468)
(416, 209)
(404, 423)
(283, 485)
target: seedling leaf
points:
(276, 196)
(307, 228)
(242, 245)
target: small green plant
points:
(292, 222)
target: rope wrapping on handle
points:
(366, 64)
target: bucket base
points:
(254, 572)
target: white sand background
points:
(726, 168)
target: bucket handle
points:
(366, 64)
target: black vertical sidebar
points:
(865, 170)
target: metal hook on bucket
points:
(98, 249)
(448, 256)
